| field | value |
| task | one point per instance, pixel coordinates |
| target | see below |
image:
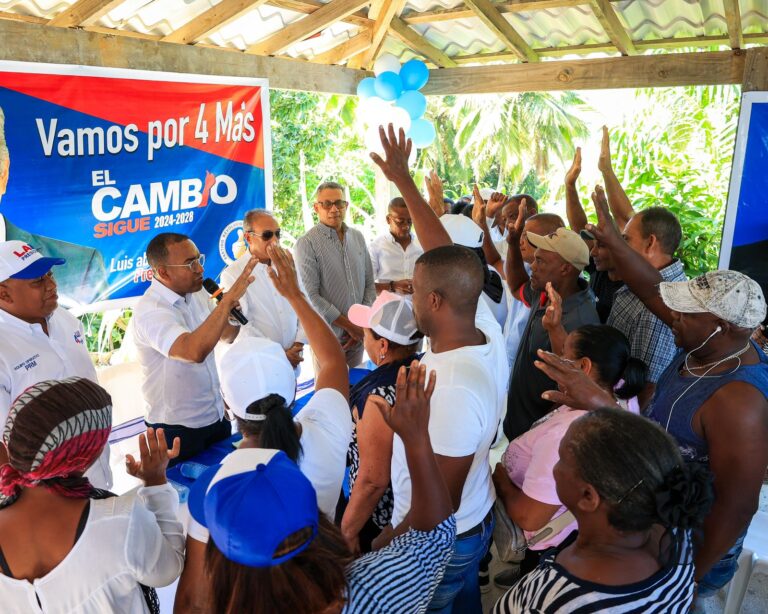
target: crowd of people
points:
(629, 405)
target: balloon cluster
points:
(393, 97)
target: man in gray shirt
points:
(336, 269)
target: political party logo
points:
(232, 242)
(78, 337)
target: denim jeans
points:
(459, 590)
(723, 571)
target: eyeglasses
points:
(330, 204)
(199, 261)
(266, 235)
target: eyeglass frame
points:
(200, 261)
(327, 205)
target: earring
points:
(382, 356)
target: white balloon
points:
(371, 109)
(400, 118)
(372, 141)
(386, 62)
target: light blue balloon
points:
(422, 133)
(366, 88)
(414, 102)
(388, 85)
(414, 75)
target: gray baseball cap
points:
(729, 295)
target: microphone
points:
(212, 288)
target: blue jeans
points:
(459, 590)
(723, 571)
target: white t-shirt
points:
(127, 540)
(175, 392)
(269, 314)
(467, 406)
(326, 430)
(29, 356)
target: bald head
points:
(253, 215)
(545, 223)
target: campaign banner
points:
(94, 162)
(745, 233)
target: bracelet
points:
(391, 286)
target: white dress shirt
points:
(269, 314)
(29, 356)
(175, 392)
(390, 261)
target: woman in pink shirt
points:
(523, 479)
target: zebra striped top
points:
(403, 577)
(550, 589)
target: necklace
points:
(717, 362)
(711, 366)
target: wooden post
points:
(756, 71)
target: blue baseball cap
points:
(19, 260)
(252, 502)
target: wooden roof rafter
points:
(504, 31)
(609, 20)
(212, 19)
(733, 22)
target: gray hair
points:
(251, 216)
(328, 185)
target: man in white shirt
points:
(269, 314)
(40, 340)
(393, 255)
(176, 328)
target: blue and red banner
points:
(98, 161)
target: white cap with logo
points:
(19, 260)
(390, 316)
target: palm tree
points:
(511, 134)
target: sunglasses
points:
(330, 204)
(266, 235)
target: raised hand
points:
(575, 388)
(235, 293)
(283, 272)
(435, 192)
(478, 209)
(553, 314)
(515, 227)
(573, 173)
(154, 457)
(495, 202)
(409, 417)
(604, 161)
(397, 150)
(606, 231)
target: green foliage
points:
(104, 332)
(676, 152)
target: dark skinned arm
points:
(514, 266)
(577, 218)
(427, 226)
(526, 513)
(736, 413)
(479, 216)
(621, 207)
(640, 276)
(192, 591)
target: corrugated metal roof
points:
(542, 29)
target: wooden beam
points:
(311, 24)
(756, 71)
(496, 23)
(82, 11)
(415, 41)
(613, 27)
(383, 11)
(733, 21)
(666, 70)
(24, 18)
(308, 7)
(215, 17)
(510, 6)
(25, 42)
(347, 49)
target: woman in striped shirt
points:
(636, 503)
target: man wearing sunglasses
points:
(176, 328)
(336, 269)
(269, 315)
(394, 254)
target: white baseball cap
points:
(19, 260)
(390, 316)
(570, 246)
(251, 370)
(462, 230)
(486, 193)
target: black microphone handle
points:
(212, 288)
(238, 315)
